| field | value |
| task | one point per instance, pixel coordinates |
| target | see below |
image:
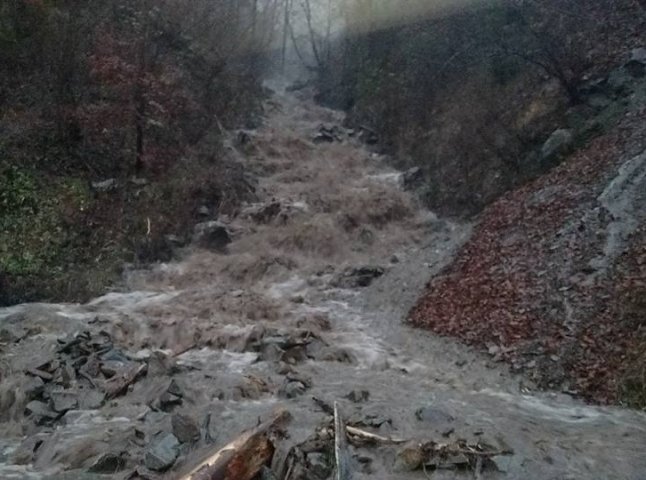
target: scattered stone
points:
(493, 350)
(638, 55)
(91, 399)
(412, 178)
(368, 136)
(558, 144)
(12, 334)
(501, 463)
(293, 389)
(160, 364)
(620, 81)
(62, 401)
(163, 452)
(40, 409)
(41, 374)
(204, 211)
(174, 241)
(366, 236)
(409, 458)
(33, 387)
(354, 277)
(104, 186)
(315, 322)
(211, 235)
(112, 367)
(358, 396)
(185, 428)
(263, 213)
(637, 63)
(433, 415)
(139, 181)
(328, 134)
(109, 463)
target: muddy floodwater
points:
(306, 301)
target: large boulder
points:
(559, 143)
(636, 65)
(212, 235)
(163, 452)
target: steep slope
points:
(552, 278)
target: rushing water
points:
(341, 206)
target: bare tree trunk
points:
(288, 6)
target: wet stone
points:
(163, 452)
(359, 276)
(409, 458)
(358, 396)
(91, 399)
(109, 463)
(36, 372)
(33, 387)
(293, 389)
(39, 409)
(160, 364)
(110, 368)
(433, 415)
(26, 452)
(63, 401)
(185, 428)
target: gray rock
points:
(40, 409)
(412, 178)
(91, 399)
(109, 463)
(638, 55)
(104, 186)
(174, 241)
(293, 389)
(139, 181)
(110, 368)
(409, 458)
(358, 276)
(33, 387)
(358, 396)
(558, 144)
(185, 428)
(162, 453)
(204, 211)
(620, 80)
(62, 401)
(636, 66)
(433, 415)
(212, 235)
(160, 364)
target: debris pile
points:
(86, 371)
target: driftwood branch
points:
(241, 459)
(361, 436)
(340, 447)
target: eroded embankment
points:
(552, 277)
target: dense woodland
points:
(132, 97)
(470, 91)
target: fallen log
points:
(340, 447)
(243, 458)
(362, 436)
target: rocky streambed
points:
(294, 304)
